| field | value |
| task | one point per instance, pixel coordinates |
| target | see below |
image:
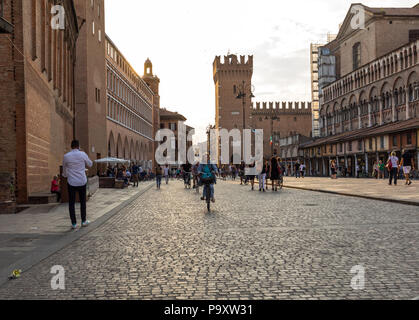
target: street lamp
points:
(244, 90)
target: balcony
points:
(5, 27)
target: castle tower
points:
(233, 92)
(153, 82)
(232, 77)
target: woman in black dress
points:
(274, 172)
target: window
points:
(340, 147)
(370, 142)
(356, 55)
(350, 146)
(409, 138)
(394, 140)
(93, 28)
(100, 36)
(413, 35)
(382, 142)
(359, 145)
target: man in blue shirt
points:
(208, 170)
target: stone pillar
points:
(325, 126)
(324, 168)
(407, 103)
(359, 117)
(333, 124)
(366, 162)
(381, 102)
(356, 164)
(369, 115)
(393, 109)
(311, 171)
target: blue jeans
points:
(211, 190)
(158, 181)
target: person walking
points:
(274, 172)
(393, 168)
(375, 170)
(262, 177)
(166, 173)
(381, 168)
(74, 169)
(135, 177)
(297, 169)
(159, 173)
(408, 165)
(333, 169)
(302, 170)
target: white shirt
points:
(166, 171)
(74, 167)
(394, 161)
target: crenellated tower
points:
(232, 76)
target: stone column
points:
(366, 162)
(311, 171)
(325, 126)
(407, 103)
(369, 114)
(359, 117)
(393, 109)
(381, 102)
(356, 164)
(333, 124)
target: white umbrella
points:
(112, 160)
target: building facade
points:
(372, 107)
(234, 108)
(129, 110)
(153, 82)
(90, 81)
(37, 97)
(170, 120)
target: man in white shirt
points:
(74, 169)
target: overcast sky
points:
(183, 37)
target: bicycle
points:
(281, 182)
(207, 182)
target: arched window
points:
(356, 55)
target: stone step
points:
(42, 198)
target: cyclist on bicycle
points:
(186, 169)
(195, 174)
(208, 171)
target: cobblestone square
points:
(294, 244)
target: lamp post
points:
(244, 89)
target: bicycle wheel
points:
(208, 196)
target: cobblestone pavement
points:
(291, 245)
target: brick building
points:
(234, 108)
(373, 106)
(153, 82)
(129, 110)
(37, 97)
(170, 120)
(90, 80)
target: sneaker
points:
(202, 198)
(85, 224)
(410, 182)
(74, 226)
(212, 200)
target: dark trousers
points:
(72, 201)
(393, 175)
(58, 193)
